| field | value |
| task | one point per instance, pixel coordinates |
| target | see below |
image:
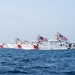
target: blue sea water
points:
(37, 62)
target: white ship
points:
(59, 43)
(12, 45)
(27, 45)
(53, 45)
(18, 44)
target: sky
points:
(26, 19)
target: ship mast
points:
(57, 36)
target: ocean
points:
(37, 62)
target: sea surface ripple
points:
(37, 62)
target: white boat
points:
(53, 45)
(60, 42)
(12, 45)
(29, 46)
(22, 45)
(16, 44)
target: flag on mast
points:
(61, 37)
(42, 39)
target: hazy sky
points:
(28, 18)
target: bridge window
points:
(60, 44)
(73, 45)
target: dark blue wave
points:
(32, 62)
